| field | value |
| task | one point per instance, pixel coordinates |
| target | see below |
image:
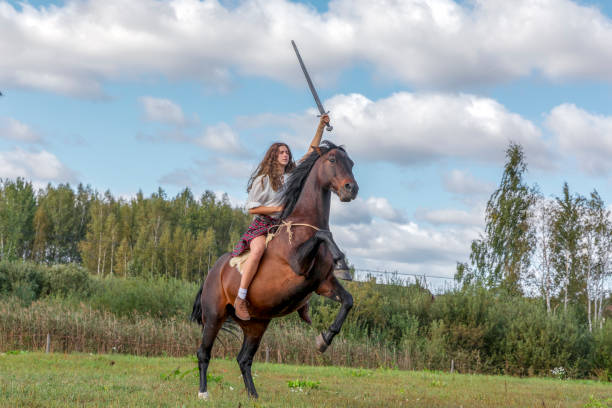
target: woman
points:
(265, 188)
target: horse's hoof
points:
(321, 344)
(343, 274)
(203, 396)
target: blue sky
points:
(424, 94)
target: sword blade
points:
(310, 84)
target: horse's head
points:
(336, 172)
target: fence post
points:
(48, 342)
(452, 366)
(267, 354)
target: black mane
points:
(294, 185)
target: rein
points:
(288, 225)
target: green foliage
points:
(303, 384)
(70, 280)
(60, 222)
(598, 403)
(383, 313)
(178, 374)
(490, 331)
(502, 257)
(27, 281)
(160, 297)
(180, 237)
(17, 207)
(603, 349)
(567, 232)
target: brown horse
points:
(294, 265)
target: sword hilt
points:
(328, 127)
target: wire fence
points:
(435, 283)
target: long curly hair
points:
(270, 167)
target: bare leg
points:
(258, 246)
(253, 332)
(249, 269)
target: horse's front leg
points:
(332, 289)
(306, 252)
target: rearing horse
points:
(294, 265)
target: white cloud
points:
(585, 136)
(74, 48)
(360, 211)
(375, 235)
(221, 138)
(40, 167)
(410, 128)
(12, 129)
(163, 110)
(219, 171)
(418, 249)
(463, 183)
(416, 128)
(473, 218)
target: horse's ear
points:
(317, 149)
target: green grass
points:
(30, 379)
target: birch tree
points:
(501, 258)
(567, 244)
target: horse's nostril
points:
(348, 186)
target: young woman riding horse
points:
(265, 190)
(294, 265)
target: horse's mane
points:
(294, 185)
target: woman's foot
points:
(242, 312)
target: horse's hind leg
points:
(253, 332)
(332, 289)
(209, 334)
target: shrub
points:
(70, 279)
(26, 280)
(602, 355)
(161, 298)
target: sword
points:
(311, 86)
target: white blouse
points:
(263, 195)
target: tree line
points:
(557, 248)
(178, 237)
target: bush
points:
(25, 280)
(160, 298)
(499, 333)
(70, 280)
(381, 313)
(602, 359)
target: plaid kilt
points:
(259, 226)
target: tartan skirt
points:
(259, 226)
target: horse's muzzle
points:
(348, 191)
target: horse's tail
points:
(196, 313)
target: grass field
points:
(29, 379)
